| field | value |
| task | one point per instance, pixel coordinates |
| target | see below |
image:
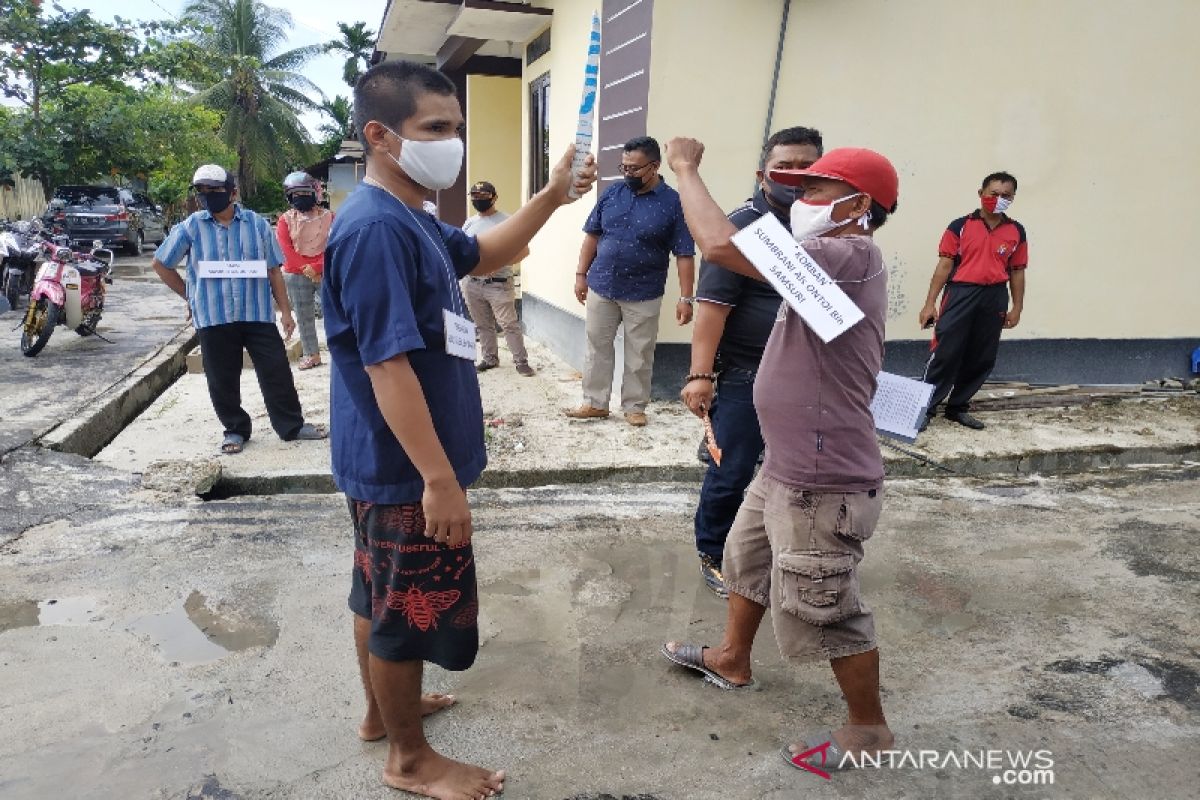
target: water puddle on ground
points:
(56, 611)
(194, 633)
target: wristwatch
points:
(688, 300)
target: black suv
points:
(117, 217)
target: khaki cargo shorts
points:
(797, 552)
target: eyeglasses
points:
(633, 169)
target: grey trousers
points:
(491, 304)
(302, 295)
(641, 334)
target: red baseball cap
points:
(863, 169)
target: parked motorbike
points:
(68, 290)
(20, 251)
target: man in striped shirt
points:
(232, 275)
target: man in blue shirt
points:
(233, 261)
(622, 274)
(734, 318)
(405, 408)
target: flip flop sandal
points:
(820, 756)
(691, 657)
(311, 432)
(232, 444)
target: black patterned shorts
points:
(420, 595)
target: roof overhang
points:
(448, 32)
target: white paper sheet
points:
(899, 405)
(800, 281)
(231, 269)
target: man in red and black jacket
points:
(981, 259)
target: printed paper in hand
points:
(231, 269)
(806, 287)
(899, 405)
(587, 105)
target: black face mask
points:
(215, 202)
(303, 202)
(634, 182)
(780, 194)
(482, 205)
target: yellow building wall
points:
(1088, 104)
(710, 78)
(494, 137)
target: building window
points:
(538, 47)
(539, 133)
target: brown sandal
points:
(308, 362)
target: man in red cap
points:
(798, 537)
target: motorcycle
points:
(69, 290)
(20, 250)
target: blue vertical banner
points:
(587, 104)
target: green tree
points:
(47, 57)
(94, 134)
(340, 126)
(358, 44)
(259, 91)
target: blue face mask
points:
(214, 202)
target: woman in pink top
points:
(303, 230)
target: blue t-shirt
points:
(390, 271)
(638, 233)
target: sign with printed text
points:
(460, 335)
(800, 281)
(899, 405)
(231, 269)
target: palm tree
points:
(260, 92)
(340, 126)
(341, 115)
(358, 44)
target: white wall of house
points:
(1089, 104)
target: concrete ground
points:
(530, 442)
(140, 317)
(155, 645)
(1050, 614)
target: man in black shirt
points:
(734, 318)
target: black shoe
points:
(713, 579)
(966, 420)
(484, 366)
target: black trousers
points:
(221, 347)
(965, 342)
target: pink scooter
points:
(68, 290)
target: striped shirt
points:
(219, 301)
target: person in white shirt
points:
(491, 299)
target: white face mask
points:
(1002, 204)
(810, 221)
(435, 165)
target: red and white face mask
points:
(810, 220)
(994, 204)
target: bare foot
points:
(734, 670)
(430, 774)
(857, 739)
(372, 730)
